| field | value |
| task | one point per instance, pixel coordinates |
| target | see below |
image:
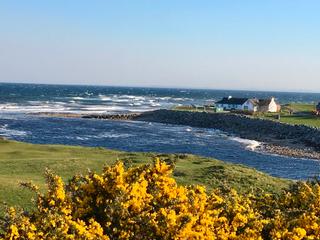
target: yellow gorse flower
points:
(146, 203)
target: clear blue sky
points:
(255, 45)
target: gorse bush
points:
(146, 203)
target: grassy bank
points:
(308, 120)
(22, 162)
(297, 113)
(293, 113)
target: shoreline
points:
(279, 139)
(286, 151)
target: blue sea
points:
(18, 102)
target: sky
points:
(247, 44)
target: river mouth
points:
(136, 136)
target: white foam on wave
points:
(7, 106)
(135, 104)
(164, 98)
(103, 104)
(78, 98)
(6, 132)
(155, 105)
(114, 135)
(249, 144)
(82, 138)
(101, 108)
(122, 100)
(60, 107)
(105, 98)
(56, 107)
(132, 97)
(34, 107)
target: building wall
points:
(230, 106)
(273, 106)
(248, 105)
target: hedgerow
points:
(146, 203)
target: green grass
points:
(301, 107)
(301, 114)
(312, 121)
(22, 162)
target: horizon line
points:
(160, 87)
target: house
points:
(231, 103)
(248, 104)
(318, 109)
(268, 105)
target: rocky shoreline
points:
(296, 141)
(117, 117)
(277, 138)
(294, 152)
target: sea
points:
(20, 102)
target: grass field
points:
(21, 162)
(301, 114)
(312, 121)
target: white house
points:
(248, 104)
(318, 109)
(230, 103)
(268, 105)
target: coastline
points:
(293, 151)
(295, 141)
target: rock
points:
(245, 126)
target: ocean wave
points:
(114, 135)
(73, 107)
(82, 138)
(132, 97)
(105, 98)
(6, 132)
(121, 100)
(135, 104)
(155, 105)
(89, 103)
(249, 144)
(78, 98)
(100, 136)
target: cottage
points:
(318, 109)
(268, 105)
(248, 104)
(231, 103)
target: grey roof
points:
(236, 101)
(240, 101)
(264, 102)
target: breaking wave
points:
(6, 132)
(251, 145)
(88, 103)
